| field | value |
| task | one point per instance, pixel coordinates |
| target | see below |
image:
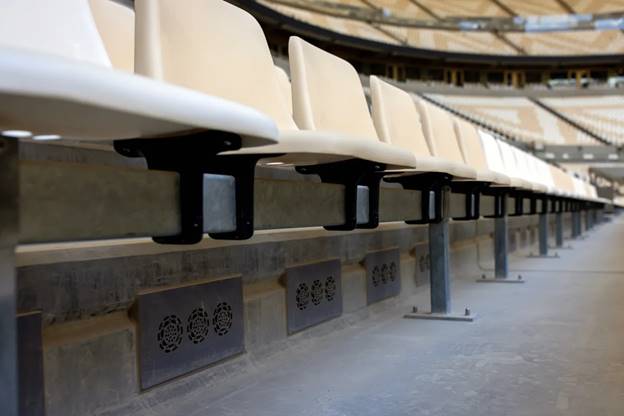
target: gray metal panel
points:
(9, 195)
(219, 203)
(30, 365)
(185, 328)
(457, 205)
(362, 204)
(383, 275)
(313, 294)
(487, 205)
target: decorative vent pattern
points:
(185, 328)
(382, 275)
(313, 294)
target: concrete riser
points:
(89, 340)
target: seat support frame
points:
(192, 156)
(352, 173)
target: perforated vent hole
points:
(302, 296)
(317, 292)
(330, 288)
(376, 276)
(170, 332)
(384, 273)
(222, 318)
(198, 325)
(393, 271)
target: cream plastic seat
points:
(56, 79)
(221, 50)
(528, 170)
(513, 169)
(115, 23)
(399, 123)
(497, 163)
(474, 153)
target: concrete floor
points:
(552, 346)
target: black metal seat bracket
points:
(431, 184)
(352, 173)
(192, 156)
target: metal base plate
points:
(383, 275)
(547, 256)
(441, 316)
(499, 280)
(313, 294)
(185, 328)
(568, 247)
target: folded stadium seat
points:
(474, 153)
(57, 82)
(398, 121)
(494, 197)
(501, 158)
(220, 49)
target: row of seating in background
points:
(210, 100)
(572, 42)
(518, 117)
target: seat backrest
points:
(492, 153)
(563, 181)
(396, 119)
(284, 87)
(439, 131)
(327, 93)
(61, 27)
(115, 22)
(470, 144)
(212, 47)
(509, 160)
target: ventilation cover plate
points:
(185, 328)
(313, 294)
(383, 275)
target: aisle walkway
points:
(553, 346)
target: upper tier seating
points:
(603, 115)
(58, 81)
(518, 117)
(576, 42)
(581, 42)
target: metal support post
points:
(543, 234)
(500, 247)
(543, 237)
(439, 275)
(559, 230)
(9, 223)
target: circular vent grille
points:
(317, 292)
(170, 333)
(222, 318)
(198, 325)
(330, 288)
(302, 296)
(384, 273)
(376, 276)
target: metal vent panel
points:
(186, 328)
(383, 275)
(30, 365)
(313, 294)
